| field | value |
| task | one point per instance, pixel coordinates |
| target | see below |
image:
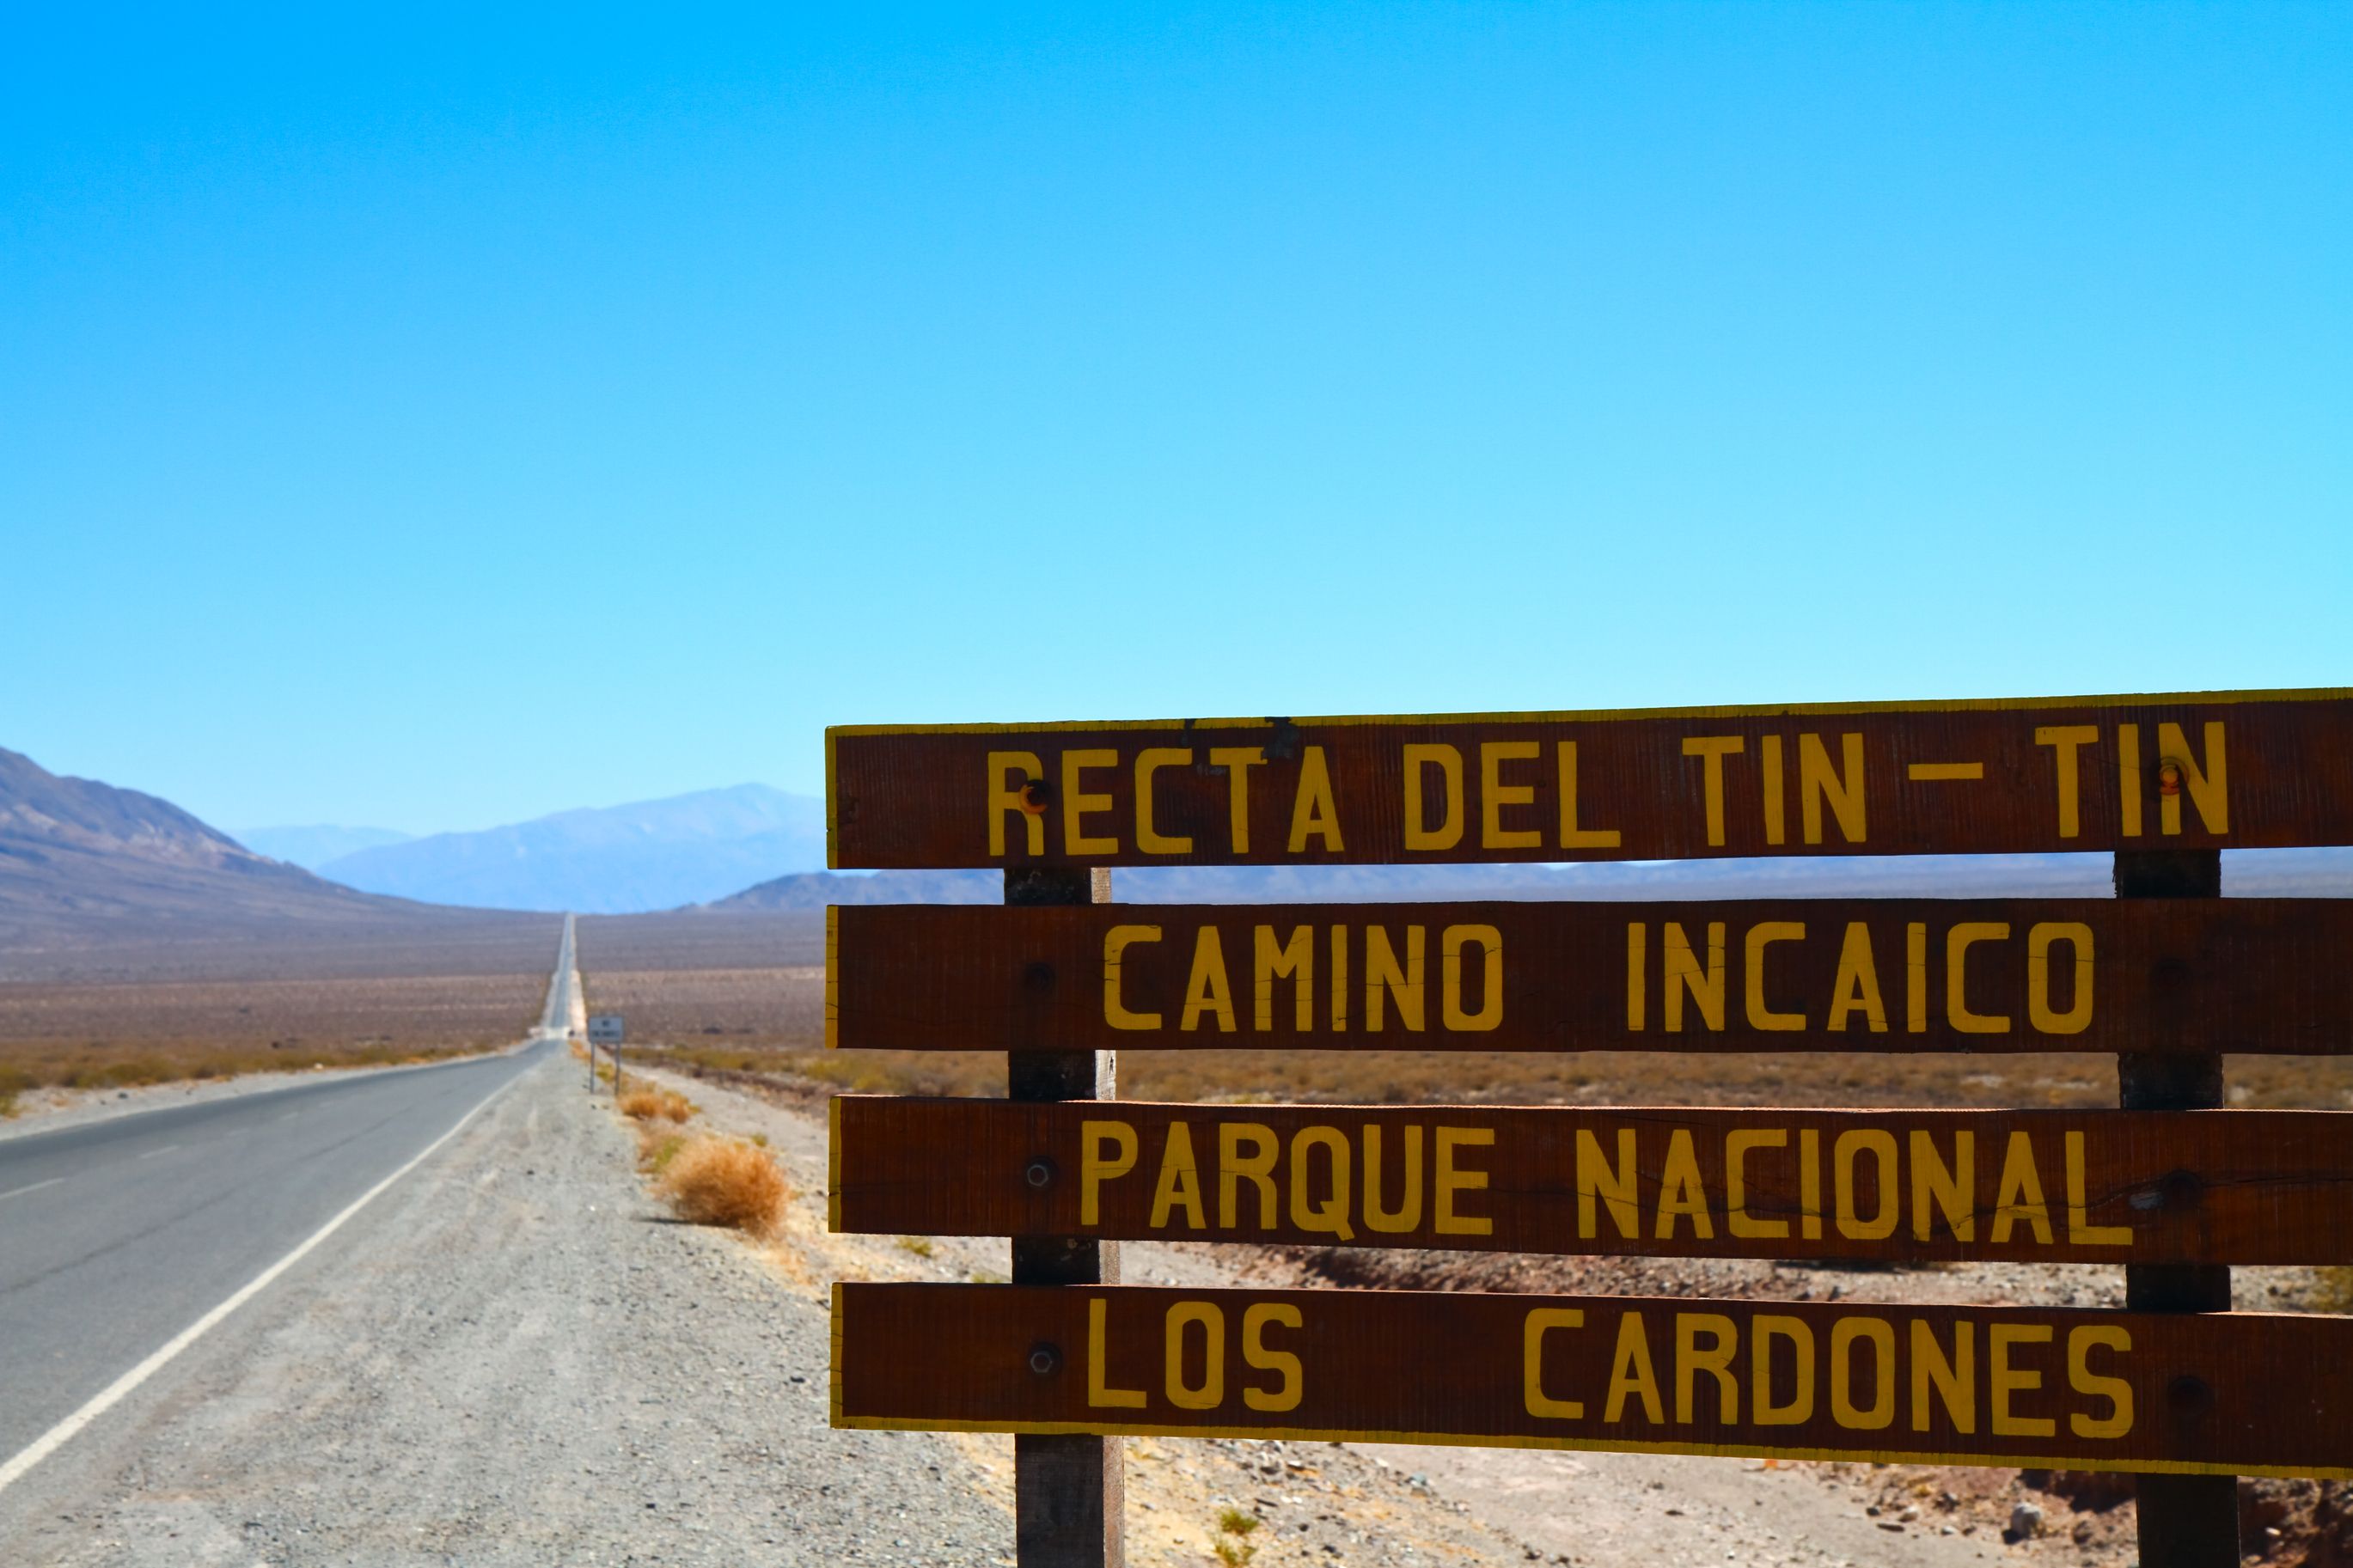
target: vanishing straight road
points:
(118, 1236)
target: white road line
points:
(57, 1437)
(36, 1187)
(165, 1150)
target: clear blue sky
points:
(411, 420)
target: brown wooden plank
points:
(2264, 975)
(2045, 1186)
(2240, 1394)
(2247, 770)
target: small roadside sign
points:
(605, 1030)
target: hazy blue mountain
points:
(2307, 873)
(81, 861)
(622, 860)
(312, 847)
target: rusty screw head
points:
(2190, 1394)
(1040, 1172)
(1037, 795)
(2169, 777)
(1045, 1360)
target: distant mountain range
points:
(2281, 873)
(312, 847)
(622, 860)
(79, 856)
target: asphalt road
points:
(117, 1236)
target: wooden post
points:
(2186, 1521)
(1068, 1493)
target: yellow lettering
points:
(1680, 1191)
(1418, 834)
(1953, 1190)
(2118, 1421)
(1916, 978)
(1383, 978)
(1150, 761)
(1540, 1320)
(1238, 760)
(1292, 960)
(1100, 1395)
(1408, 1213)
(1446, 1222)
(2079, 1230)
(1769, 774)
(1002, 799)
(1964, 935)
(1843, 1409)
(2039, 940)
(1760, 936)
(1285, 1395)
(1735, 1186)
(1856, 988)
(1724, 1339)
(1596, 1179)
(1683, 975)
(1258, 1169)
(2004, 1380)
(1208, 990)
(2208, 787)
(1313, 813)
(2020, 1197)
(2063, 740)
(1767, 1327)
(1494, 795)
(1629, 1371)
(1210, 1391)
(1116, 941)
(1096, 1166)
(1329, 1218)
(1078, 804)
(1572, 836)
(2129, 783)
(1711, 750)
(1450, 944)
(1180, 1181)
(1637, 961)
(1841, 791)
(1339, 980)
(1810, 1183)
(1954, 1380)
(1881, 1146)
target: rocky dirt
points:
(519, 1359)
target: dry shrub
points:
(657, 1144)
(718, 1181)
(656, 1105)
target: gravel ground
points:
(1379, 1504)
(514, 1358)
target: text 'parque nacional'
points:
(1899, 1185)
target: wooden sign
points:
(2046, 1186)
(2234, 1394)
(2193, 770)
(1922, 975)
